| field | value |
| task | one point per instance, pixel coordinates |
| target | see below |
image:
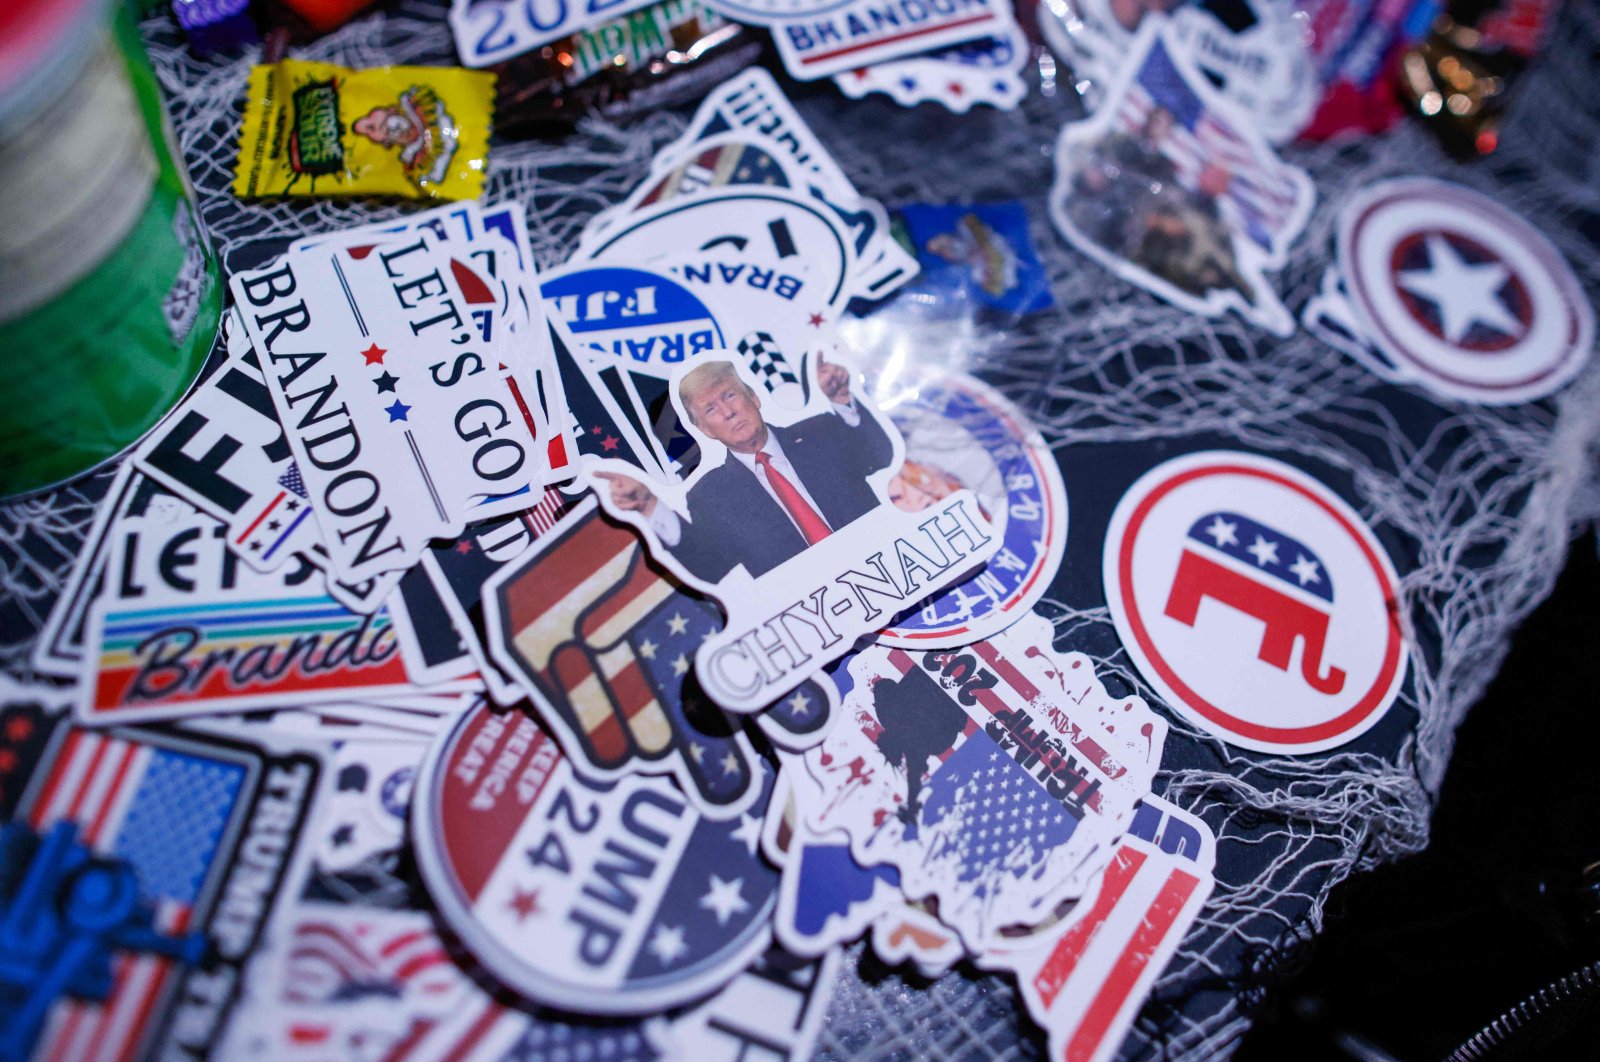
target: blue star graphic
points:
(397, 411)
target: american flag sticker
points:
(142, 867)
(605, 643)
(951, 771)
(1173, 188)
(1084, 978)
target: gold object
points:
(1457, 86)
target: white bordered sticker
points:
(1256, 601)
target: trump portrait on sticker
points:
(778, 489)
(788, 522)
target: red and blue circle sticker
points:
(616, 899)
(1255, 601)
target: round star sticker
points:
(1460, 295)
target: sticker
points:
(633, 317)
(181, 630)
(458, 570)
(59, 648)
(1442, 286)
(826, 898)
(788, 523)
(820, 44)
(984, 791)
(141, 868)
(1172, 189)
(988, 70)
(959, 434)
(224, 452)
(430, 645)
(1256, 602)
(746, 132)
(1083, 978)
(483, 1029)
(341, 982)
(978, 254)
(364, 814)
(360, 329)
(621, 900)
(1256, 53)
(491, 31)
(778, 225)
(603, 642)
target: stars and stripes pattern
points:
(544, 516)
(985, 810)
(664, 643)
(610, 644)
(738, 164)
(1259, 548)
(281, 525)
(342, 960)
(162, 811)
(1261, 193)
(721, 893)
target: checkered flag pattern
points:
(765, 361)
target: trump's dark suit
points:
(733, 520)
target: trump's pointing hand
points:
(834, 380)
(628, 494)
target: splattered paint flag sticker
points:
(1256, 601)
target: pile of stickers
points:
(1173, 183)
(956, 53)
(507, 647)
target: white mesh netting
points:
(1476, 506)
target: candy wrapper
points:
(659, 56)
(319, 129)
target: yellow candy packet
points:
(320, 129)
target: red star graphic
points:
(463, 547)
(816, 320)
(525, 904)
(861, 75)
(955, 89)
(609, 443)
(374, 354)
(19, 728)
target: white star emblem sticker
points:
(1306, 570)
(680, 666)
(647, 649)
(722, 899)
(730, 764)
(1263, 551)
(677, 624)
(1223, 532)
(667, 944)
(1465, 294)
(800, 704)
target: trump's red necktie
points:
(811, 524)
